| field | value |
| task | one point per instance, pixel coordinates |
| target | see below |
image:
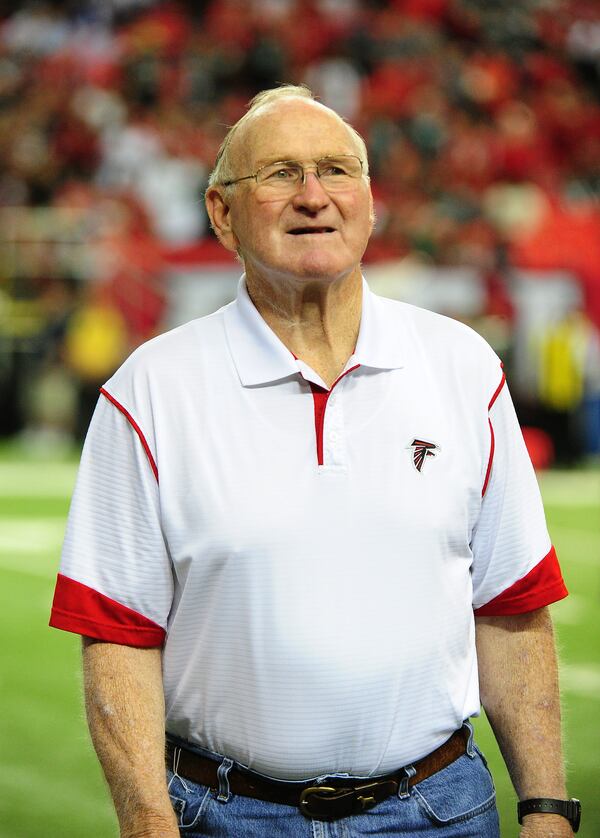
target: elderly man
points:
(306, 538)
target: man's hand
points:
(545, 826)
(158, 830)
(518, 681)
(149, 831)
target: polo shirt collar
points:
(260, 357)
(380, 338)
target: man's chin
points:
(311, 267)
(320, 266)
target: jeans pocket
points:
(458, 792)
(189, 801)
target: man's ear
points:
(372, 216)
(220, 217)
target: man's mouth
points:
(306, 231)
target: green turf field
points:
(50, 784)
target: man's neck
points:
(317, 321)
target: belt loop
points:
(223, 778)
(471, 740)
(176, 758)
(175, 769)
(404, 790)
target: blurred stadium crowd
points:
(482, 119)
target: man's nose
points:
(311, 193)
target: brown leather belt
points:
(336, 798)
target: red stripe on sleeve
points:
(488, 472)
(82, 610)
(135, 427)
(541, 586)
(498, 389)
(490, 459)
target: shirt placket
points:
(334, 432)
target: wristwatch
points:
(569, 809)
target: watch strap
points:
(569, 809)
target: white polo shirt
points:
(310, 558)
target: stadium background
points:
(482, 119)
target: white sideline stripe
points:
(572, 501)
(52, 479)
(577, 532)
(26, 536)
(576, 546)
(570, 611)
(574, 488)
(35, 566)
(582, 679)
(31, 774)
(37, 479)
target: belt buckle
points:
(357, 799)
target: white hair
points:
(223, 170)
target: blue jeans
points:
(457, 802)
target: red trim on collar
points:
(320, 398)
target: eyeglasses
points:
(283, 177)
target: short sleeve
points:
(515, 569)
(115, 581)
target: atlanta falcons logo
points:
(422, 449)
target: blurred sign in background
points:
(482, 119)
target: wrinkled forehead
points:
(291, 129)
